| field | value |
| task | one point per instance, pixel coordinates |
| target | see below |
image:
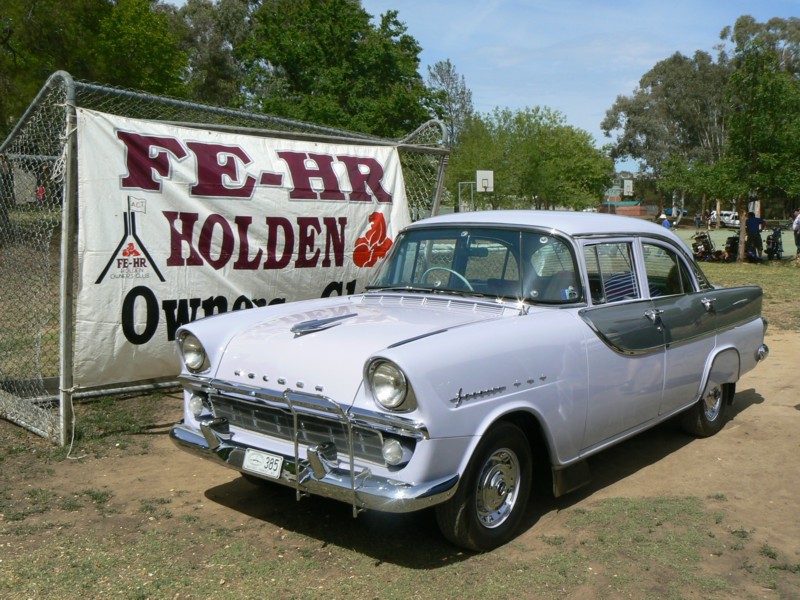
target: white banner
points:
(176, 224)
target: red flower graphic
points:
(131, 251)
(374, 244)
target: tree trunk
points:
(742, 212)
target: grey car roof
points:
(568, 222)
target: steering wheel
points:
(459, 275)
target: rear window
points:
(610, 270)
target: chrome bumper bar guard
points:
(310, 404)
(362, 490)
(216, 431)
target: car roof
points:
(568, 222)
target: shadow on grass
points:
(413, 540)
(410, 540)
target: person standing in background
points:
(753, 226)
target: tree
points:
(128, 43)
(778, 36)
(572, 172)
(450, 98)
(39, 38)
(675, 122)
(678, 110)
(538, 160)
(323, 61)
(209, 33)
(764, 146)
(477, 149)
(765, 94)
(767, 59)
(137, 48)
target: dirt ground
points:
(749, 471)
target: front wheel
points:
(707, 417)
(493, 493)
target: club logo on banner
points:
(131, 259)
(177, 224)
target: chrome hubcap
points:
(497, 488)
(713, 403)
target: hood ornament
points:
(315, 325)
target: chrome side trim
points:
(362, 489)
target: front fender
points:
(466, 379)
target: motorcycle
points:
(732, 250)
(775, 244)
(703, 246)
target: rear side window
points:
(609, 267)
(666, 273)
(551, 277)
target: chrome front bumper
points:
(316, 475)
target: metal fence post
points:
(67, 279)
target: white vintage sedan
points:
(486, 343)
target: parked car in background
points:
(729, 218)
(669, 212)
(486, 345)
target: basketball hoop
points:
(484, 181)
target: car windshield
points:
(501, 263)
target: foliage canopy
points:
(538, 160)
(325, 62)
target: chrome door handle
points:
(653, 314)
(708, 303)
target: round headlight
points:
(194, 355)
(388, 384)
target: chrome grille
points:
(312, 429)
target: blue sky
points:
(574, 56)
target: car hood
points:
(322, 347)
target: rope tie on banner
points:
(72, 130)
(68, 134)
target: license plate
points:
(263, 463)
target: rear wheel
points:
(493, 493)
(707, 417)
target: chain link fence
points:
(38, 241)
